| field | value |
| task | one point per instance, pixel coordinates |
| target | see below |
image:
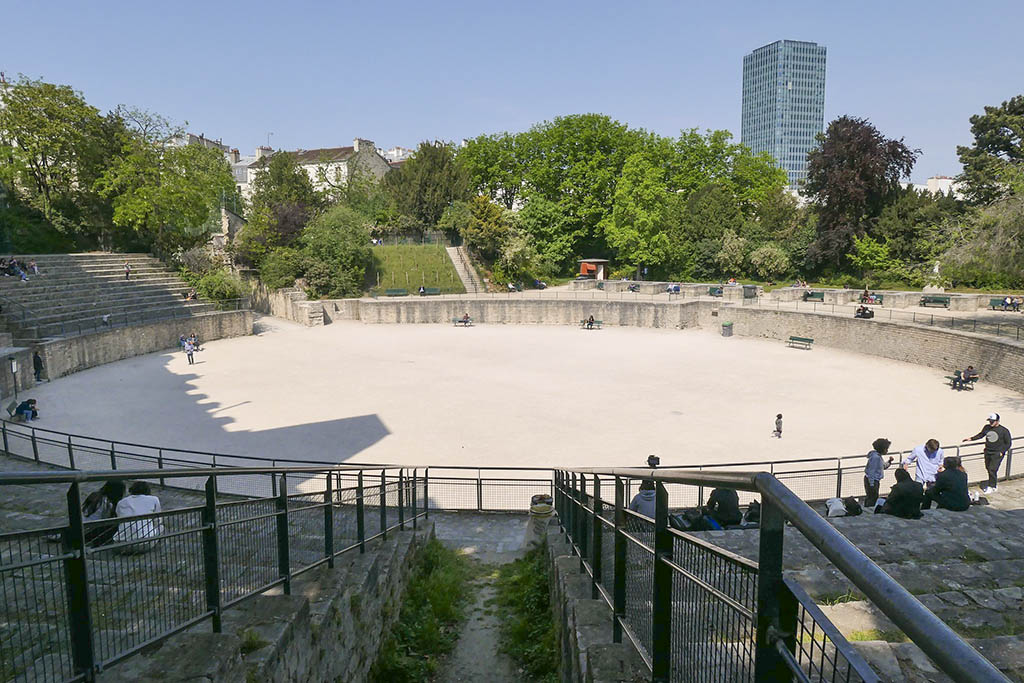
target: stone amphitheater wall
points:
(73, 354)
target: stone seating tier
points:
(967, 567)
(76, 291)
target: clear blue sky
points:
(319, 74)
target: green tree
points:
(495, 165)
(998, 144)
(428, 183)
(488, 228)
(852, 175)
(283, 201)
(732, 257)
(50, 148)
(699, 160)
(769, 261)
(169, 193)
(336, 246)
(638, 224)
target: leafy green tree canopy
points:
(998, 144)
(429, 182)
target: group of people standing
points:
(938, 478)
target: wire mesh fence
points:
(82, 596)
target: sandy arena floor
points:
(515, 395)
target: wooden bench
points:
(800, 342)
(596, 325)
(432, 291)
(462, 321)
(814, 296)
(714, 291)
(931, 300)
(968, 384)
(395, 292)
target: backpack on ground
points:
(853, 508)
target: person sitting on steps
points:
(905, 498)
(950, 490)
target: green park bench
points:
(465, 322)
(800, 342)
(595, 325)
(967, 385)
(432, 291)
(1001, 304)
(932, 300)
(996, 303)
(814, 296)
(395, 292)
(714, 291)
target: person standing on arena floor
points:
(997, 443)
(928, 459)
(189, 349)
(778, 426)
(37, 365)
(875, 470)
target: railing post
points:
(479, 492)
(619, 590)
(360, 520)
(35, 446)
(160, 463)
(768, 663)
(329, 521)
(582, 527)
(426, 495)
(661, 599)
(401, 499)
(383, 504)
(3, 428)
(570, 509)
(71, 454)
(76, 583)
(596, 535)
(413, 495)
(113, 457)
(283, 565)
(211, 552)
(839, 478)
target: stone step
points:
(108, 306)
(85, 303)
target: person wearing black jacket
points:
(905, 498)
(724, 507)
(950, 490)
(997, 443)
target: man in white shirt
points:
(139, 502)
(928, 459)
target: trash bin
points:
(749, 291)
(542, 510)
(726, 329)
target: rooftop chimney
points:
(366, 144)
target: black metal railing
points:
(93, 325)
(464, 487)
(73, 606)
(696, 612)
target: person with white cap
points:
(997, 443)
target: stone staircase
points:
(966, 567)
(76, 293)
(470, 279)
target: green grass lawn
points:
(408, 266)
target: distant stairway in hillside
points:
(80, 293)
(470, 280)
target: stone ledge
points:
(584, 625)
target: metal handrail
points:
(947, 649)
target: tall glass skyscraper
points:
(784, 102)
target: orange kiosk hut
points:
(593, 268)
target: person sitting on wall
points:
(950, 490)
(864, 312)
(905, 498)
(724, 507)
(28, 410)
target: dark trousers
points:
(39, 374)
(870, 492)
(992, 463)
(190, 361)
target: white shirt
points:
(927, 465)
(130, 506)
